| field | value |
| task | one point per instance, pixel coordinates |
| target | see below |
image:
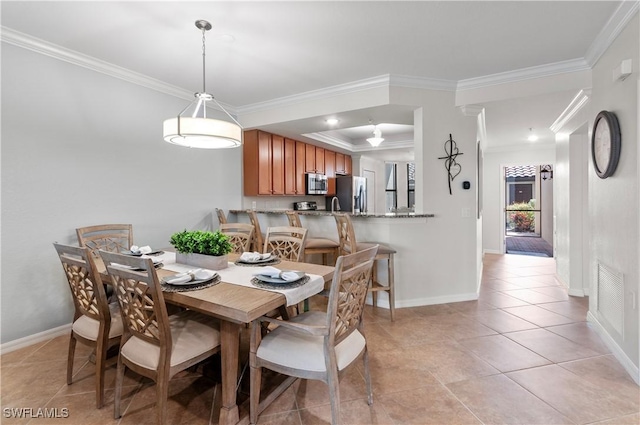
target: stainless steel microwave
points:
(315, 184)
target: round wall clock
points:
(605, 144)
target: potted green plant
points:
(201, 248)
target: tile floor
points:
(521, 354)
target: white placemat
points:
(242, 276)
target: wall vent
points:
(610, 297)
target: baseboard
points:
(17, 344)
(492, 251)
(622, 357)
(384, 302)
(576, 292)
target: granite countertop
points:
(328, 213)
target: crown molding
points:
(422, 83)
(18, 39)
(578, 102)
(539, 71)
(616, 23)
(334, 141)
(330, 140)
(381, 81)
(471, 110)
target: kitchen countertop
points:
(328, 213)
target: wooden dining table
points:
(235, 306)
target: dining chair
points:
(286, 242)
(96, 323)
(106, 237)
(221, 217)
(348, 245)
(321, 246)
(155, 344)
(315, 344)
(258, 236)
(240, 235)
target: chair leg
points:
(118, 393)
(367, 376)
(255, 374)
(334, 395)
(162, 394)
(101, 358)
(374, 279)
(392, 298)
(70, 357)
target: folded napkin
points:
(197, 274)
(254, 256)
(140, 249)
(272, 272)
(155, 260)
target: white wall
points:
(613, 202)
(493, 189)
(81, 148)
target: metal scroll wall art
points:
(450, 163)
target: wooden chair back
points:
(221, 217)
(240, 235)
(346, 235)
(294, 219)
(286, 242)
(106, 237)
(258, 240)
(144, 313)
(348, 293)
(89, 297)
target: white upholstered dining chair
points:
(96, 323)
(155, 344)
(315, 344)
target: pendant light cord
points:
(204, 54)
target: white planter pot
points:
(210, 262)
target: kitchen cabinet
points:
(294, 167)
(263, 160)
(339, 163)
(347, 165)
(314, 159)
(319, 160)
(330, 163)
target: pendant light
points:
(192, 128)
(377, 137)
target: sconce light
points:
(546, 172)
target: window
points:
(411, 185)
(391, 187)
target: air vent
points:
(610, 297)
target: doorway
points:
(528, 210)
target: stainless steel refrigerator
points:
(351, 192)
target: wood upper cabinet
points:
(347, 165)
(294, 166)
(263, 163)
(310, 159)
(330, 163)
(319, 160)
(340, 163)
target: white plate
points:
(188, 282)
(262, 260)
(270, 279)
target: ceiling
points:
(258, 52)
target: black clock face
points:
(605, 144)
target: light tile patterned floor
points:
(522, 354)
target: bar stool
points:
(348, 245)
(221, 217)
(258, 236)
(322, 246)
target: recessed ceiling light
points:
(532, 136)
(332, 121)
